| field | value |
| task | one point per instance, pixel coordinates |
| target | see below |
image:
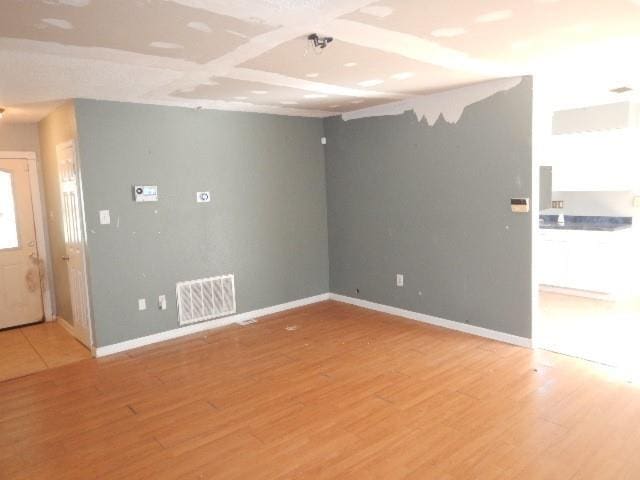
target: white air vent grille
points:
(206, 298)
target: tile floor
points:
(33, 348)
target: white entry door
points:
(72, 218)
(20, 270)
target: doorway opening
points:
(587, 233)
(32, 336)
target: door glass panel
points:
(8, 225)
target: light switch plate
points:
(162, 302)
(105, 217)
(400, 280)
(203, 197)
(142, 304)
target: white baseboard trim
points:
(440, 322)
(241, 317)
(578, 293)
(66, 325)
(202, 326)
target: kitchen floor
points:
(599, 330)
(33, 348)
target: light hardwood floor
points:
(33, 348)
(329, 391)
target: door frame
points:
(40, 227)
(83, 234)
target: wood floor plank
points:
(328, 391)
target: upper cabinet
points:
(596, 161)
(597, 118)
(595, 148)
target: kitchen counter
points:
(582, 226)
(588, 254)
(586, 223)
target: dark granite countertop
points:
(587, 223)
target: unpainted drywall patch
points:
(58, 23)
(165, 45)
(237, 34)
(377, 11)
(69, 3)
(116, 25)
(496, 16)
(200, 26)
(450, 104)
(448, 32)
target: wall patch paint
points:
(377, 11)
(200, 26)
(403, 75)
(237, 34)
(58, 23)
(494, 16)
(448, 32)
(166, 45)
(70, 3)
(449, 104)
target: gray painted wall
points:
(267, 222)
(433, 203)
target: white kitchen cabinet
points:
(594, 261)
(590, 265)
(553, 265)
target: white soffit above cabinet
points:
(611, 116)
(252, 55)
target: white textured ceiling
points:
(252, 55)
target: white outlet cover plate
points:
(400, 280)
(203, 197)
(105, 217)
(142, 304)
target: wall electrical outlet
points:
(323, 140)
(399, 280)
(142, 304)
(105, 217)
(162, 302)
